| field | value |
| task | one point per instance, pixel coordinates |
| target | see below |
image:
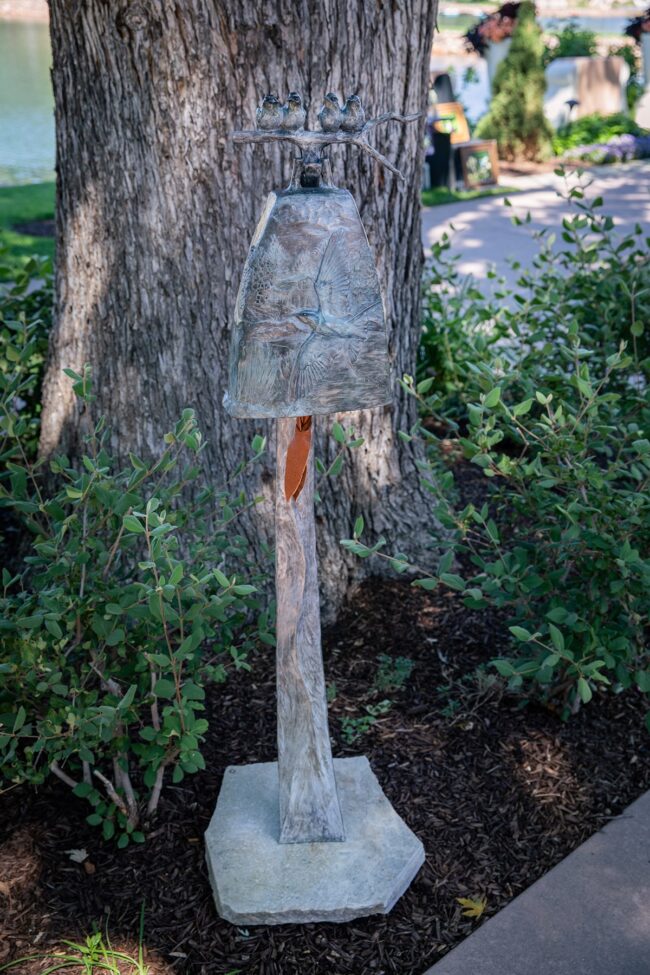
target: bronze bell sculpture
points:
(307, 838)
(309, 335)
(309, 332)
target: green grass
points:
(94, 957)
(20, 204)
(436, 197)
(456, 24)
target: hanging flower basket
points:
(639, 26)
(493, 28)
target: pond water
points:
(603, 24)
(26, 104)
(599, 25)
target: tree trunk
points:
(156, 209)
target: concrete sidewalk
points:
(590, 915)
(486, 238)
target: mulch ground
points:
(498, 791)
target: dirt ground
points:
(498, 790)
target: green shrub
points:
(516, 115)
(25, 318)
(599, 280)
(571, 41)
(125, 607)
(392, 673)
(635, 87)
(593, 129)
(354, 728)
(458, 324)
(547, 393)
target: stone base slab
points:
(257, 880)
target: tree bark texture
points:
(156, 208)
(309, 805)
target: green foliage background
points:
(572, 41)
(544, 386)
(516, 118)
(593, 129)
(125, 593)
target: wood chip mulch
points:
(498, 790)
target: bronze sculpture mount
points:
(312, 142)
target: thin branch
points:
(390, 117)
(155, 714)
(108, 683)
(117, 773)
(60, 774)
(114, 547)
(154, 798)
(362, 144)
(128, 792)
(84, 532)
(110, 789)
(308, 140)
(311, 140)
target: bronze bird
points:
(330, 114)
(354, 117)
(269, 115)
(293, 113)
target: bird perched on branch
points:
(269, 116)
(293, 113)
(330, 115)
(354, 117)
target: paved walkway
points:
(486, 238)
(590, 915)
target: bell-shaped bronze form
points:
(309, 334)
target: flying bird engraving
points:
(341, 332)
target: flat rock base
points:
(257, 880)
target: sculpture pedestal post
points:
(307, 838)
(309, 804)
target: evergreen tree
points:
(516, 116)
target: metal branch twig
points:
(391, 117)
(308, 140)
